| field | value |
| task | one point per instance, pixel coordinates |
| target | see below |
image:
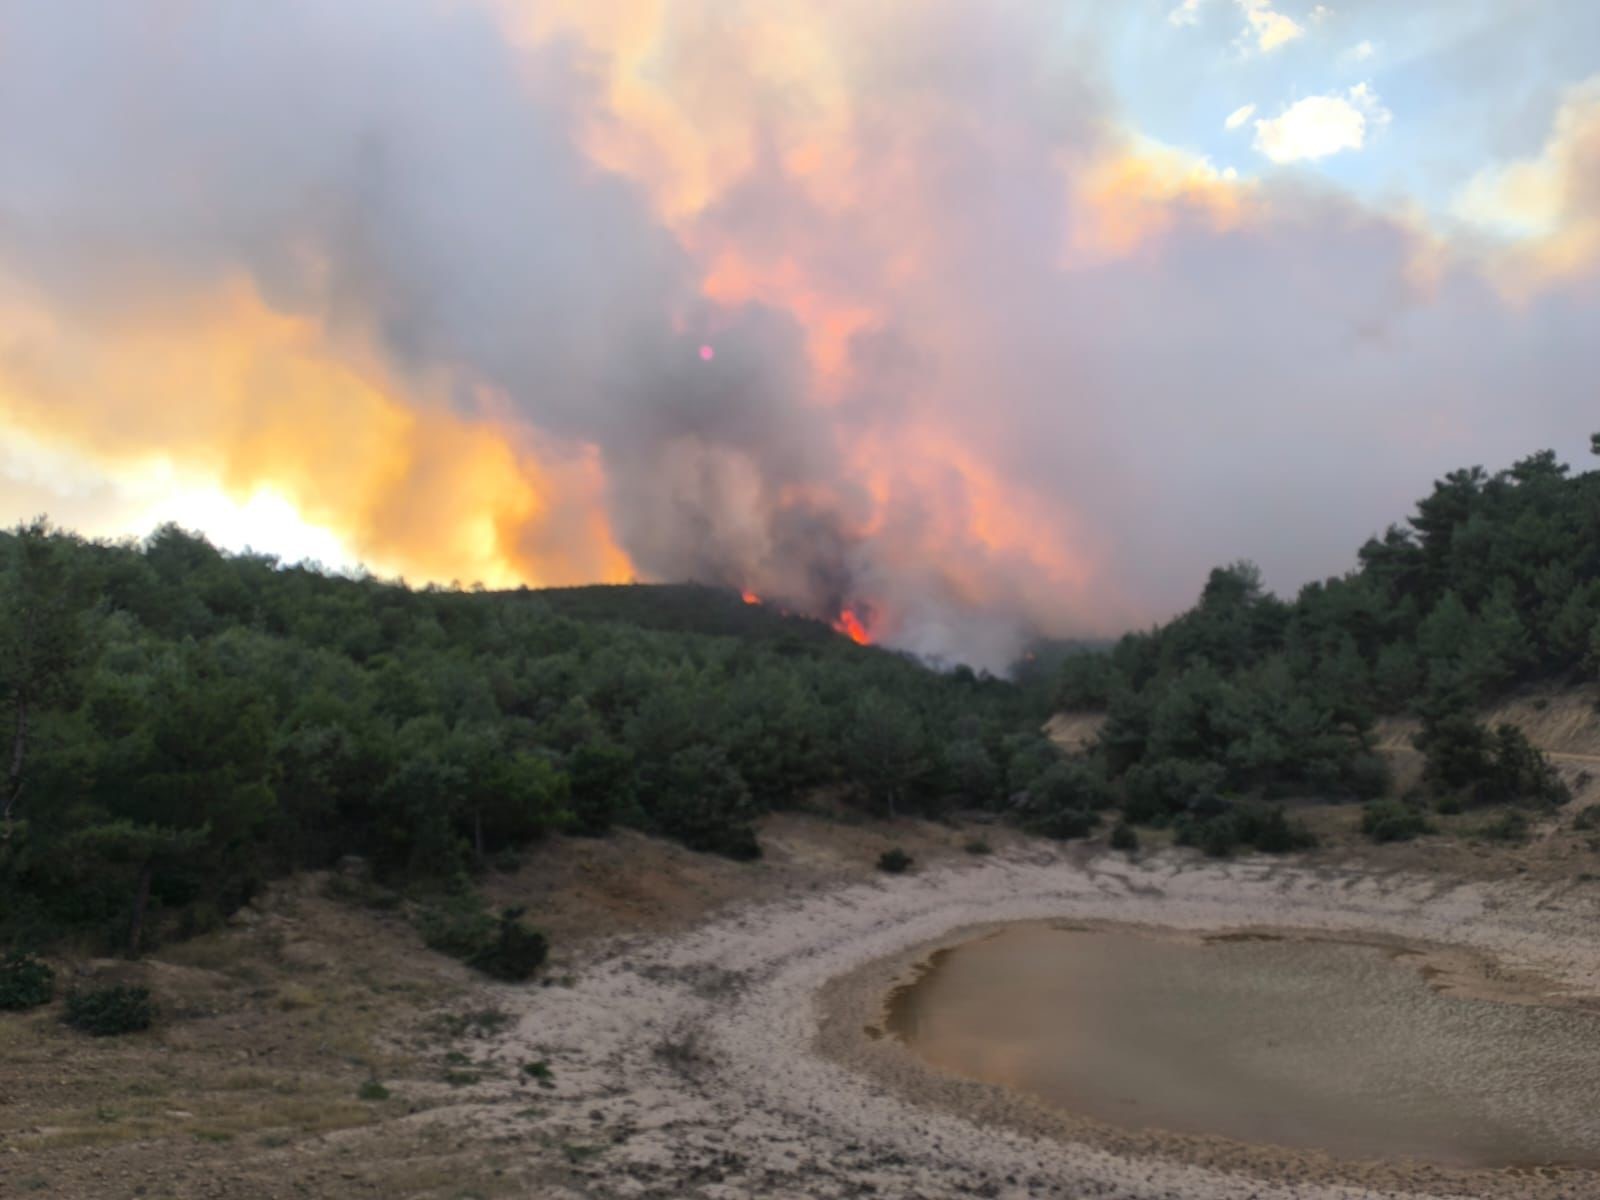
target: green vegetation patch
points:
(109, 1011)
(25, 982)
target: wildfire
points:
(850, 625)
(750, 597)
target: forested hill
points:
(1493, 583)
(181, 724)
(178, 725)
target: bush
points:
(895, 861)
(1217, 837)
(25, 982)
(1269, 830)
(371, 1089)
(1501, 767)
(1123, 837)
(1065, 824)
(1393, 821)
(1070, 784)
(705, 803)
(1258, 826)
(1522, 774)
(978, 846)
(515, 952)
(502, 947)
(456, 925)
(1509, 826)
(108, 1011)
(1155, 792)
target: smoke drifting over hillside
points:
(440, 275)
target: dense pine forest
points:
(1493, 583)
(181, 725)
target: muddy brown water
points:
(1337, 1046)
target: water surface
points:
(1314, 1044)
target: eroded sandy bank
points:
(730, 1060)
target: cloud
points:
(1270, 28)
(1359, 53)
(1319, 126)
(1239, 116)
(1265, 27)
(1187, 13)
(1547, 205)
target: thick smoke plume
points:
(975, 367)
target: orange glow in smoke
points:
(750, 597)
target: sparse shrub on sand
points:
(1393, 821)
(895, 861)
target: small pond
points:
(1337, 1046)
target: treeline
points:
(179, 725)
(1493, 583)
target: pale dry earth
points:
(734, 1059)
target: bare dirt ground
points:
(701, 1030)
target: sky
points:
(979, 320)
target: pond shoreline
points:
(745, 1038)
(1040, 1008)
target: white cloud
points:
(1358, 53)
(1239, 116)
(1270, 28)
(1319, 126)
(1187, 13)
(1320, 13)
(1550, 193)
(1265, 26)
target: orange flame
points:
(850, 625)
(750, 597)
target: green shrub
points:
(1269, 830)
(371, 1089)
(1074, 784)
(1499, 767)
(502, 947)
(1123, 837)
(1259, 826)
(978, 846)
(1393, 821)
(1217, 837)
(25, 982)
(108, 1011)
(456, 925)
(895, 861)
(1065, 823)
(1156, 792)
(514, 953)
(1509, 826)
